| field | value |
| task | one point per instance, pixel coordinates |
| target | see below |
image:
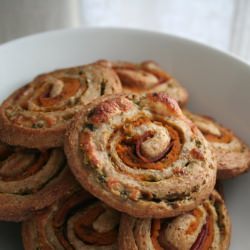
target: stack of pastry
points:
(106, 156)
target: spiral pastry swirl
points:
(232, 155)
(147, 77)
(140, 155)
(36, 115)
(30, 180)
(76, 221)
(206, 227)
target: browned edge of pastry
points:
(14, 208)
(231, 153)
(117, 193)
(30, 180)
(36, 115)
(208, 224)
(76, 221)
(147, 77)
(20, 136)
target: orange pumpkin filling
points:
(74, 200)
(83, 228)
(29, 168)
(204, 239)
(155, 232)
(48, 98)
(194, 225)
(62, 214)
(160, 74)
(70, 87)
(225, 137)
(206, 236)
(129, 149)
(85, 231)
(158, 243)
(142, 69)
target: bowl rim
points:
(96, 29)
(130, 31)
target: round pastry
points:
(36, 115)
(30, 180)
(206, 227)
(140, 155)
(231, 154)
(147, 77)
(76, 221)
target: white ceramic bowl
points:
(219, 86)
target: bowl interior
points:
(218, 85)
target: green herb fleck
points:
(103, 85)
(38, 124)
(10, 113)
(198, 143)
(195, 188)
(101, 178)
(170, 85)
(90, 126)
(124, 194)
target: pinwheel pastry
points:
(36, 115)
(232, 155)
(147, 77)
(140, 155)
(30, 180)
(206, 227)
(76, 221)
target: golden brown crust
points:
(206, 227)
(26, 137)
(75, 221)
(30, 180)
(140, 155)
(232, 155)
(36, 115)
(147, 77)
